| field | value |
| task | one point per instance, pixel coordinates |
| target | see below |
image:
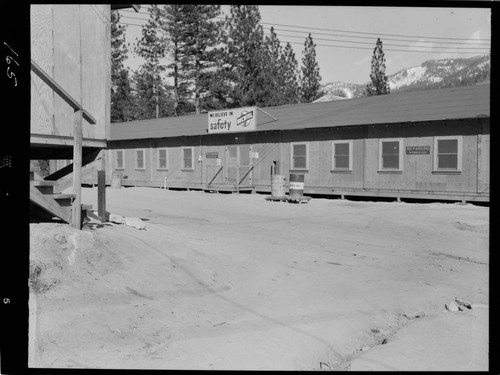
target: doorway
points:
(238, 168)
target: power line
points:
(385, 45)
(355, 36)
(353, 32)
(371, 38)
(485, 49)
(390, 50)
(367, 33)
(371, 48)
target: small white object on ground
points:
(135, 222)
(114, 218)
(452, 306)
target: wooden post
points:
(238, 170)
(101, 187)
(77, 169)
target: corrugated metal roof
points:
(431, 105)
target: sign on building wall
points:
(232, 120)
(418, 150)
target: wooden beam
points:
(77, 170)
(51, 139)
(88, 171)
(49, 204)
(101, 187)
(61, 92)
(67, 170)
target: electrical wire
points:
(347, 31)
(472, 43)
(385, 45)
(371, 48)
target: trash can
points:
(296, 186)
(278, 186)
(116, 180)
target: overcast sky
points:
(345, 36)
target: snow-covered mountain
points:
(430, 74)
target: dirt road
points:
(221, 281)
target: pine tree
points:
(174, 26)
(120, 81)
(150, 96)
(289, 68)
(243, 68)
(201, 37)
(272, 70)
(152, 47)
(310, 78)
(379, 82)
(121, 98)
(194, 35)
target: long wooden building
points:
(426, 145)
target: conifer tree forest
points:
(197, 61)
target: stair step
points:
(61, 196)
(43, 183)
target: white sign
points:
(232, 120)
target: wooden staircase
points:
(57, 204)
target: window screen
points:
(244, 155)
(162, 158)
(187, 158)
(139, 159)
(447, 153)
(119, 159)
(390, 154)
(299, 156)
(341, 155)
(233, 151)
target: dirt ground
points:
(232, 281)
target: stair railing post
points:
(101, 187)
(77, 169)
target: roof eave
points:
(136, 7)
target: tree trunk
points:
(197, 77)
(176, 82)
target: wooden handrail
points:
(215, 176)
(61, 92)
(246, 174)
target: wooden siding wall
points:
(72, 44)
(483, 159)
(417, 173)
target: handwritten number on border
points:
(10, 59)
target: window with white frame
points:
(139, 159)
(119, 160)
(187, 158)
(300, 156)
(342, 156)
(391, 155)
(162, 158)
(448, 153)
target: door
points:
(231, 164)
(238, 165)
